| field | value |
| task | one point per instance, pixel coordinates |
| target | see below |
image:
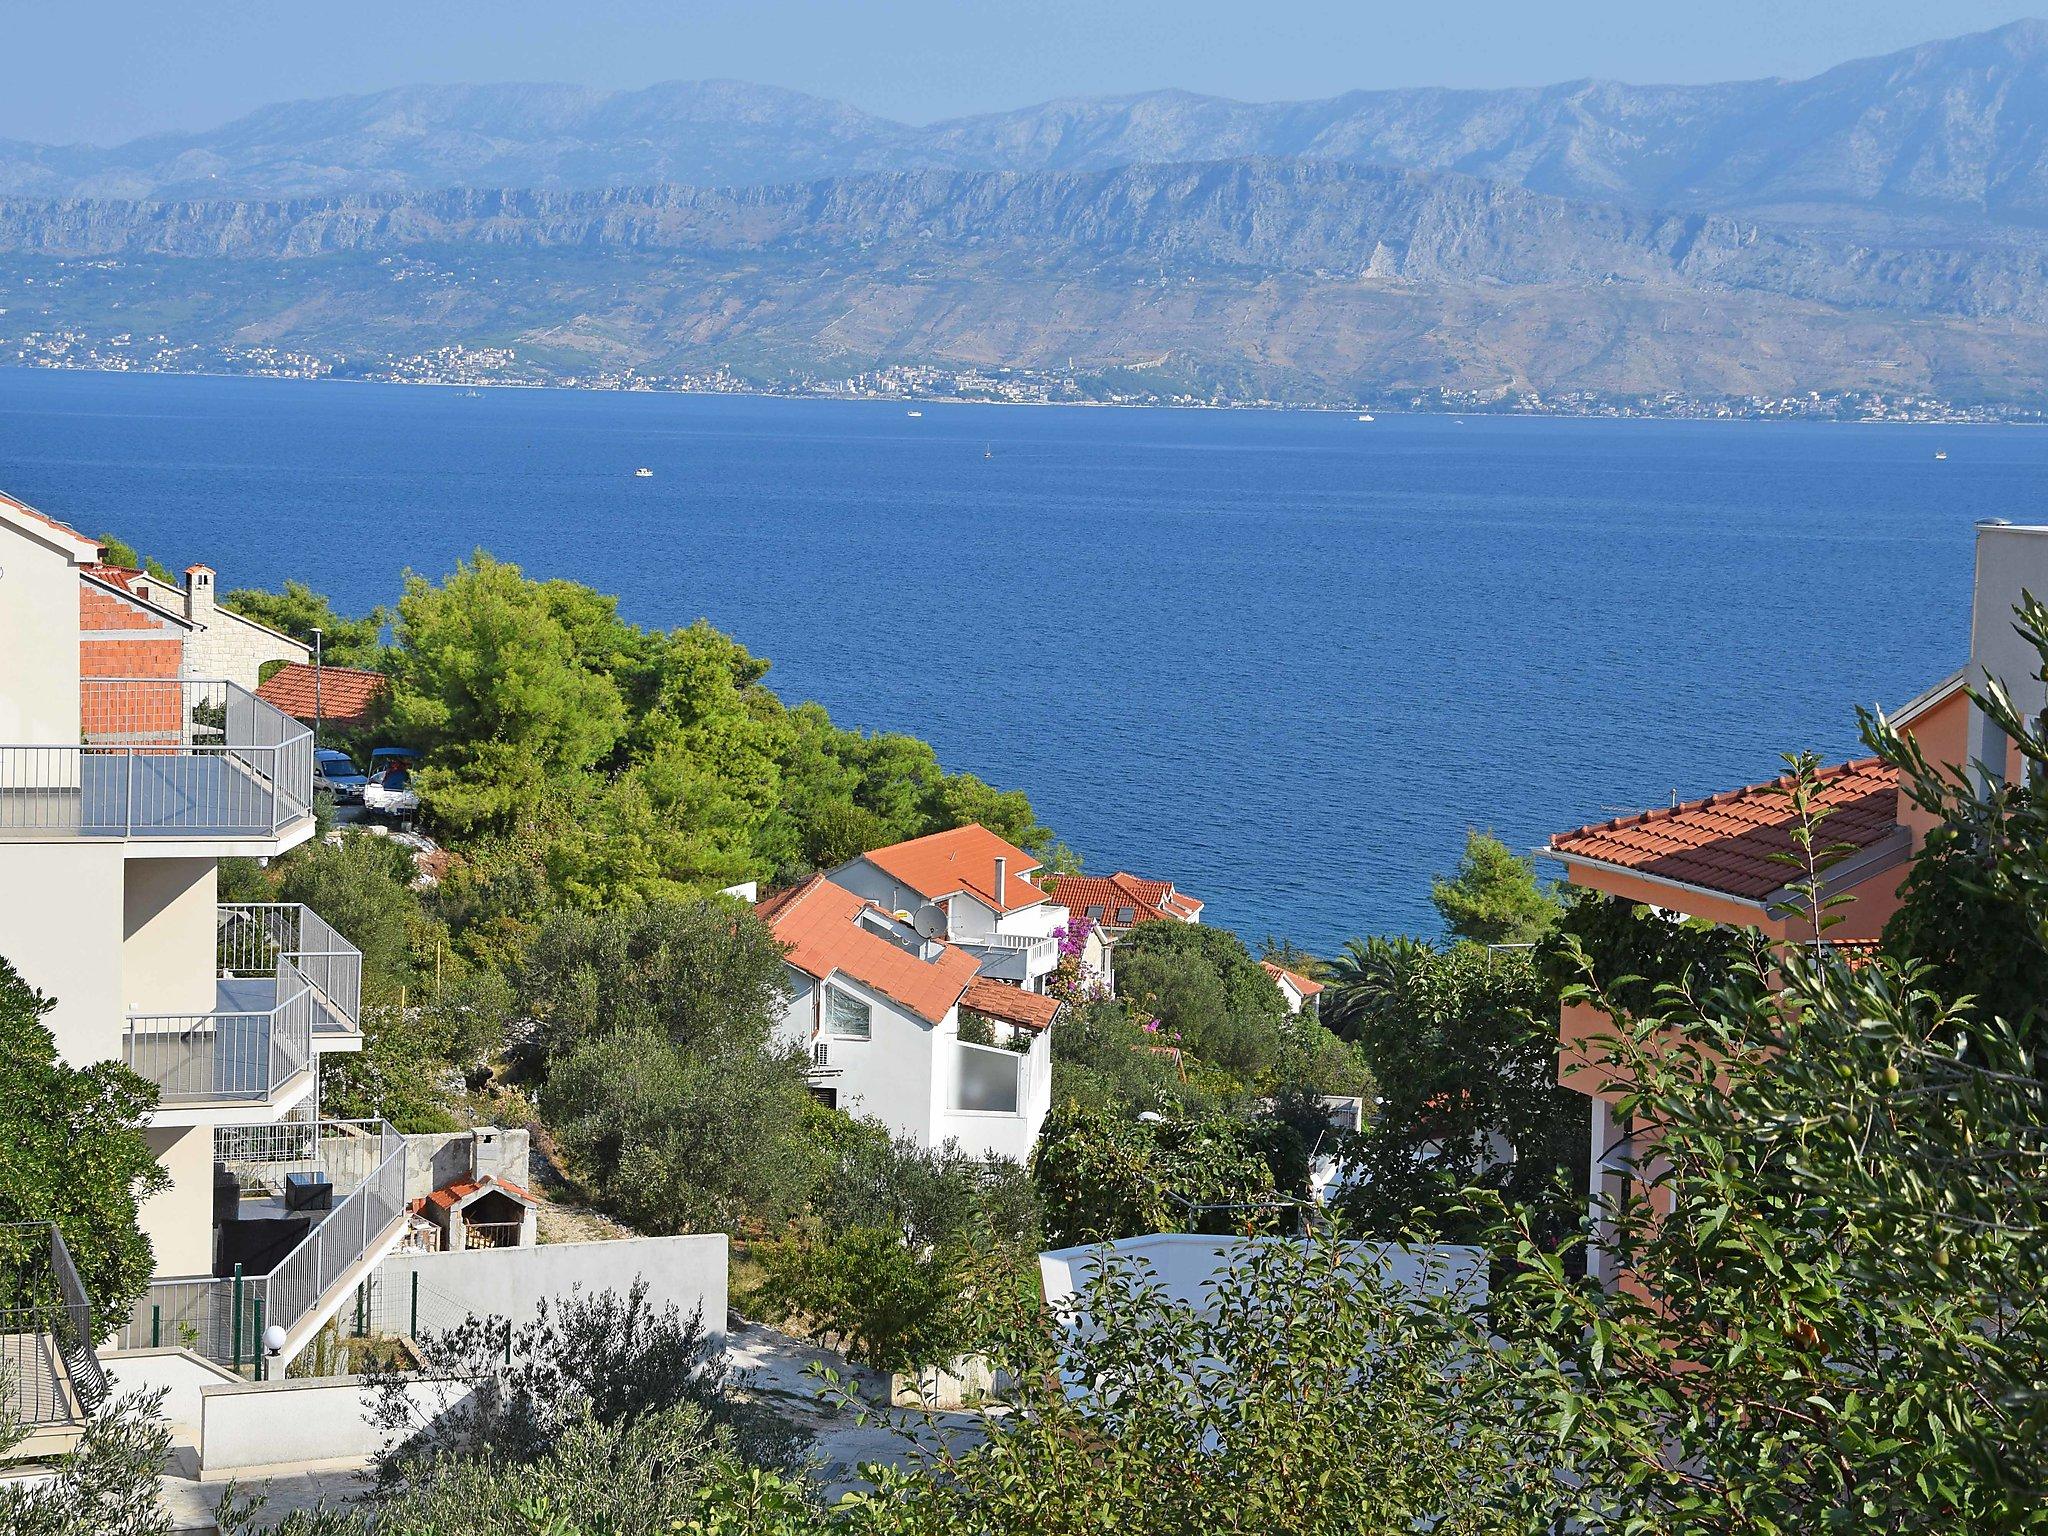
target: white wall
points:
(60, 924)
(255, 1426)
(182, 1375)
(872, 884)
(179, 1221)
(2010, 561)
(509, 1282)
(171, 923)
(1011, 1136)
(889, 1076)
(38, 639)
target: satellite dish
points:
(930, 921)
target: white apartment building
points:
(905, 1029)
(123, 782)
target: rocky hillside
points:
(1335, 222)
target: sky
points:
(101, 71)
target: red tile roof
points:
(448, 1196)
(1301, 983)
(819, 924)
(346, 694)
(1725, 843)
(1148, 900)
(1013, 1005)
(962, 859)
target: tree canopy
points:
(72, 1150)
(1494, 897)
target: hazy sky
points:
(104, 70)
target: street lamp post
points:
(317, 711)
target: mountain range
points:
(1883, 225)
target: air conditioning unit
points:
(818, 1055)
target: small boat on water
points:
(1941, 453)
(913, 413)
(1365, 415)
(989, 452)
(643, 473)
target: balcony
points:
(256, 936)
(162, 758)
(289, 987)
(1018, 957)
(324, 1249)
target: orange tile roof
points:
(962, 859)
(346, 694)
(1725, 843)
(1013, 1005)
(1301, 983)
(448, 1196)
(818, 922)
(1148, 900)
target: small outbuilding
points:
(482, 1213)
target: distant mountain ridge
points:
(1235, 218)
(1950, 135)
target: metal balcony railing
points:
(256, 936)
(225, 1319)
(49, 1372)
(161, 758)
(257, 1038)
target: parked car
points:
(334, 772)
(389, 791)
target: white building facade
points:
(903, 1028)
(119, 795)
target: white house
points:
(972, 889)
(123, 782)
(1300, 993)
(904, 1028)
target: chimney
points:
(199, 593)
(1002, 886)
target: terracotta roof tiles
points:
(1013, 1005)
(819, 923)
(1726, 843)
(1148, 901)
(961, 859)
(346, 696)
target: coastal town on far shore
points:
(477, 367)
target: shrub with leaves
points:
(608, 1357)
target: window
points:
(1126, 914)
(846, 1016)
(988, 1079)
(1095, 914)
(829, 1097)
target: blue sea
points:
(1283, 658)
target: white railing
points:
(225, 1319)
(255, 936)
(227, 1055)
(161, 757)
(1033, 942)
